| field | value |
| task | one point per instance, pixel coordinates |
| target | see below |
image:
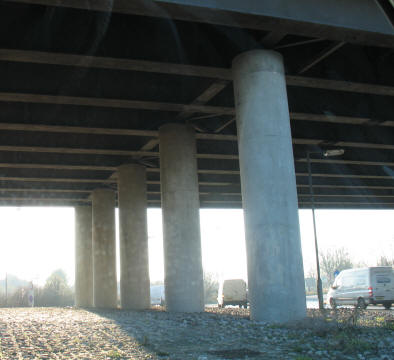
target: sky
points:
(34, 241)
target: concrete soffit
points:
(353, 21)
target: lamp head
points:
(335, 152)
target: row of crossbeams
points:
(224, 76)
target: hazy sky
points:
(34, 241)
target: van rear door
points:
(383, 283)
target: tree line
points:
(55, 292)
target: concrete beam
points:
(200, 171)
(371, 202)
(320, 56)
(113, 103)
(114, 152)
(39, 57)
(27, 192)
(71, 191)
(157, 182)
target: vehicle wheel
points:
(361, 304)
(387, 305)
(333, 304)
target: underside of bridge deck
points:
(84, 90)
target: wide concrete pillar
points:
(134, 260)
(83, 257)
(183, 275)
(269, 193)
(104, 249)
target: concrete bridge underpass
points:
(185, 104)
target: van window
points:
(348, 281)
(360, 280)
(338, 281)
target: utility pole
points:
(6, 289)
(319, 282)
(327, 153)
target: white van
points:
(232, 292)
(157, 295)
(361, 287)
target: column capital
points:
(84, 206)
(131, 170)
(102, 191)
(258, 60)
(175, 127)
(131, 166)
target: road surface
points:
(312, 303)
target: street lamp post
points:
(6, 289)
(327, 153)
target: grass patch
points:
(276, 326)
(162, 353)
(297, 349)
(113, 354)
(389, 324)
(357, 345)
(236, 353)
(349, 343)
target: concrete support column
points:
(269, 193)
(83, 257)
(104, 249)
(134, 260)
(184, 289)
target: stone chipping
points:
(69, 333)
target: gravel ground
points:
(66, 333)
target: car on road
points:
(363, 287)
(232, 292)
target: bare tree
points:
(310, 281)
(56, 291)
(360, 264)
(311, 273)
(211, 287)
(385, 261)
(334, 260)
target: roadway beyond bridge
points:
(185, 104)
